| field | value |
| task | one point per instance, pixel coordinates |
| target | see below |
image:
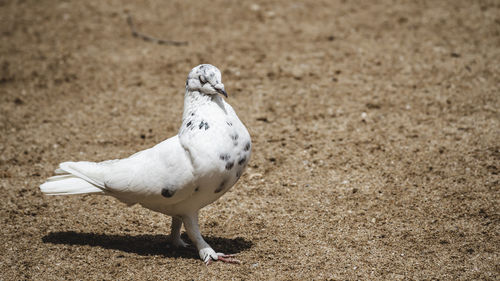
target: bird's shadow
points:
(146, 244)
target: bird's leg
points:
(175, 233)
(207, 254)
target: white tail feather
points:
(88, 171)
(60, 171)
(64, 185)
(60, 177)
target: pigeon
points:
(180, 175)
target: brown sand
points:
(375, 126)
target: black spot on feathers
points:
(203, 124)
(234, 137)
(224, 156)
(221, 187)
(165, 192)
(242, 160)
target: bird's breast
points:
(220, 150)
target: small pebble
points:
(256, 175)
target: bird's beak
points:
(222, 92)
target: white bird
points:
(180, 175)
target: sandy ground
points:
(376, 131)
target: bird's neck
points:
(194, 101)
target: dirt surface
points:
(375, 124)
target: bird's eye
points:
(203, 79)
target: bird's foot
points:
(177, 243)
(208, 255)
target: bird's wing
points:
(163, 172)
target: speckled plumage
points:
(180, 175)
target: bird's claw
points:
(221, 257)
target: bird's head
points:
(206, 79)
